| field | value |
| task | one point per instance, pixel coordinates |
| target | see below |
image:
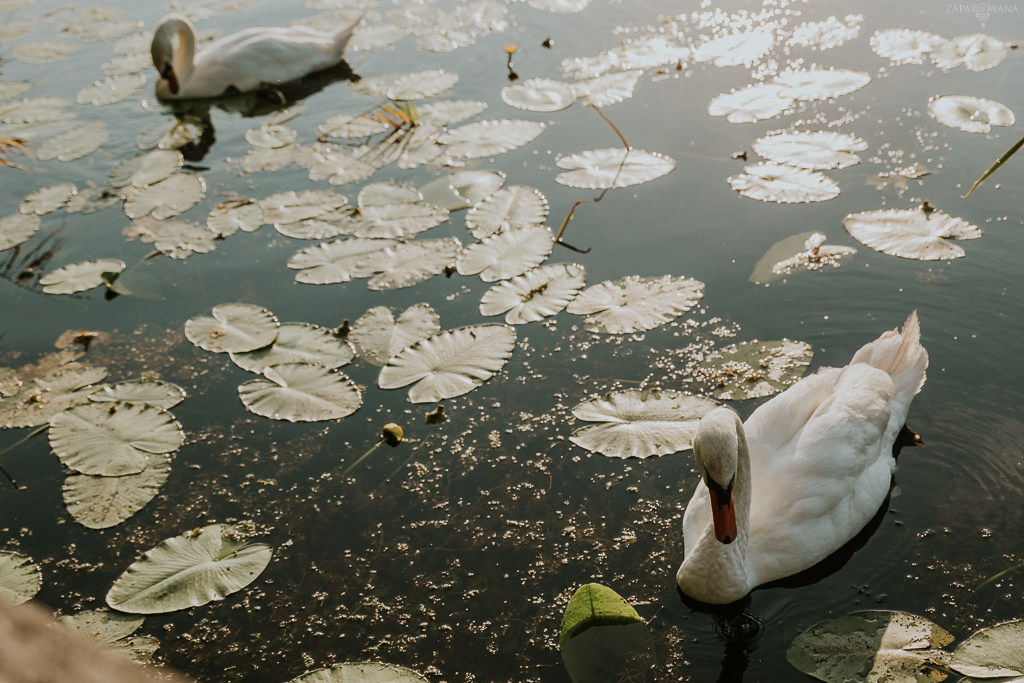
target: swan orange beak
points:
(723, 514)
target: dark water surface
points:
(455, 553)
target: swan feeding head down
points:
(805, 473)
(245, 61)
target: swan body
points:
(803, 476)
(241, 62)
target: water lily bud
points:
(392, 434)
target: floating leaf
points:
(535, 295)
(45, 52)
(609, 89)
(177, 239)
(752, 103)
(99, 502)
(485, 138)
(410, 263)
(421, 85)
(35, 403)
(20, 578)
(151, 392)
(559, 6)
(905, 46)
(146, 169)
(872, 646)
(169, 197)
(450, 363)
(75, 143)
(82, 276)
(395, 220)
(462, 189)
(92, 199)
(816, 83)
(102, 625)
(992, 652)
(594, 605)
(733, 49)
(755, 369)
(238, 214)
(110, 90)
(815, 150)
(378, 337)
(635, 303)
(360, 672)
(539, 94)
(234, 328)
(515, 206)
(977, 51)
(637, 52)
(301, 392)
(911, 233)
(271, 136)
(969, 114)
(17, 228)
(338, 261)
(639, 423)
(189, 570)
(600, 169)
(827, 34)
(292, 207)
(772, 182)
(506, 254)
(268, 159)
(446, 112)
(36, 110)
(48, 199)
(358, 126)
(806, 251)
(298, 342)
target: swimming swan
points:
(803, 476)
(241, 62)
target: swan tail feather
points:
(900, 354)
(344, 35)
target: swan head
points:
(163, 48)
(716, 447)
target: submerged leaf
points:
(818, 150)
(535, 295)
(755, 369)
(634, 303)
(450, 363)
(99, 502)
(806, 251)
(301, 392)
(600, 169)
(378, 337)
(234, 328)
(506, 254)
(969, 114)
(189, 570)
(298, 342)
(20, 578)
(911, 233)
(102, 625)
(639, 423)
(81, 277)
(773, 182)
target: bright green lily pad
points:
(594, 605)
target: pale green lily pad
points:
(169, 197)
(638, 52)
(451, 363)
(82, 276)
(407, 264)
(515, 206)
(826, 34)
(905, 46)
(44, 52)
(977, 51)
(189, 570)
(394, 220)
(124, 65)
(36, 110)
(99, 502)
(447, 112)
(872, 646)
(534, 295)
(805, 251)
(35, 403)
(74, 144)
(601, 169)
(992, 652)
(111, 89)
(113, 439)
(301, 392)
(559, 6)
(486, 138)
(768, 181)
(337, 261)
(102, 625)
(378, 337)
(298, 342)
(911, 233)
(271, 136)
(506, 254)
(818, 150)
(608, 89)
(539, 94)
(361, 672)
(268, 158)
(358, 126)
(233, 328)
(228, 217)
(594, 605)
(339, 165)
(816, 83)
(321, 227)
(92, 199)
(421, 85)
(969, 114)
(635, 304)
(462, 189)
(151, 392)
(752, 103)
(9, 89)
(48, 199)
(755, 369)
(20, 578)
(375, 195)
(735, 49)
(17, 228)
(146, 169)
(292, 207)
(640, 423)
(177, 239)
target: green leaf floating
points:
(594, 605)
(992, 652)
(360, 672)
(19, 578)
(874, 645)
(189, 570)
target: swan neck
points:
(741, 489)
(184, 56)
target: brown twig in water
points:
(625, 143)
(565, 222)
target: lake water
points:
(455, 553)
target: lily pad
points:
(486, 138)
(337, 261)
(634, 303)
(535, 295)
(44, 52)
(911, 233)
(905, 46)
(102, 625)
(177, 239)
(515, 206)
(146, 169)
(99, 502)
(594, 605)
(462, 189)
(539, 94)
(301, 392)
(977, 51)
(410, 263)
(20, 578)
(755, 369)
(608, 89)
(640, 423)
(114, 439)
(818, 150)
(292, 207)
(506, 254)
(992, 652)
(298, 342)
(189, 570)
(378, 337)
(227, 218)
(450, 363)
(600, 169)
(752, 103)
(735, 49)
(48, 199)
(169, 197)
(151, 392)
(969, 114)
(17, 228)
(817, 83)
(805, 251)
(82, 276)
(872, 646)
(361, 672)
(74, 144)
(35, 403)
(271, 136)
(358, 126)
(395, 220)
(268, 158)
(773, 182)
(111, 89)
(421, 85)
(36, 110)
(234, 328)
(826, 34)
(446, 112)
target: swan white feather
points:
(808, 470)
(244, 61)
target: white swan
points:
(807, 471)
(241, 62)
